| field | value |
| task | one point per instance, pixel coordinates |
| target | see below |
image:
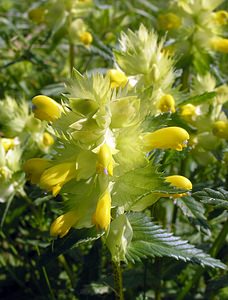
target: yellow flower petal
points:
(166, 138)
(117, 78)
(219, 44)
(46, 108)
(8, 143)
(48, 140)
(86, 38)
(177, 181)
(166, 104)
(169, 21)
(55, 177)
(102, 216)
(61, 226)
(221, 17)
(104, 160)
(220, 129)
(34, 168)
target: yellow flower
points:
(221, 17)
(102, 216)
(166, 138)
(104, 160)
(63, 224)
(46, 108)
(48, 140)
(169, 21)
(8, 143)
(55, 177)
(36, 15)
(166, 103)
(86, 38)
(220, 129)
(180, 182)
(34, 168)
(117, 78)
(188, 112)
(219, 44)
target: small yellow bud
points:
(219, 44)
(34, 168)
(86, 38)
(104, 160)
(46, 108)
(117, 78)
(220, 129)
(102, 216)
(221, 17)
(55, 177)
(8, 143)
(48, 139)
(169, 21)
(63, 224)
(188, 112)
(180, 182)
(166, 138)
(166, 104)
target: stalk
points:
(118, 280)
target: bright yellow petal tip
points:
(166, 138)
(188, 112)
(104, 160)
(46, 108)
(220, 129)
(55, 177)
(117, 78)
(221, 17)
(180, 182)
(102, 216)
(219, 44)
(61, 226)
(166, 103)
(48, 140)
(169, 21)
(34, 168)
(8, 143)
(86, 38)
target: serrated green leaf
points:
(130, 188)
(195, 212)
(150, 240)
(218, 198)
(73, 239)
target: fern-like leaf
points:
(218, 198)
(150, 240)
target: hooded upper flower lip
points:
(46, 108)
(105, 160)
(165, 138)
(166, 103)
(62, 225)
(179, 182)
(102, 215)
(117, 78)
(56, 176)
(220, 129)
(219, 44)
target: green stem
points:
(71, 57)
(118, 281)
(220, 240)
(185, 78)
(63, 261)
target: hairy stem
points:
(118, 281)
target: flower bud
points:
(48, 139)
(219, 44)
(169, 21)
(117, 78)
(34, 168)
(166, 104)
(86, 38)
(166, 138)
(179, 182)
(63, 224)
(46, 108)
(220, 129)
(8, 143)
(104, 160)
(102, 216)
(221, 17)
